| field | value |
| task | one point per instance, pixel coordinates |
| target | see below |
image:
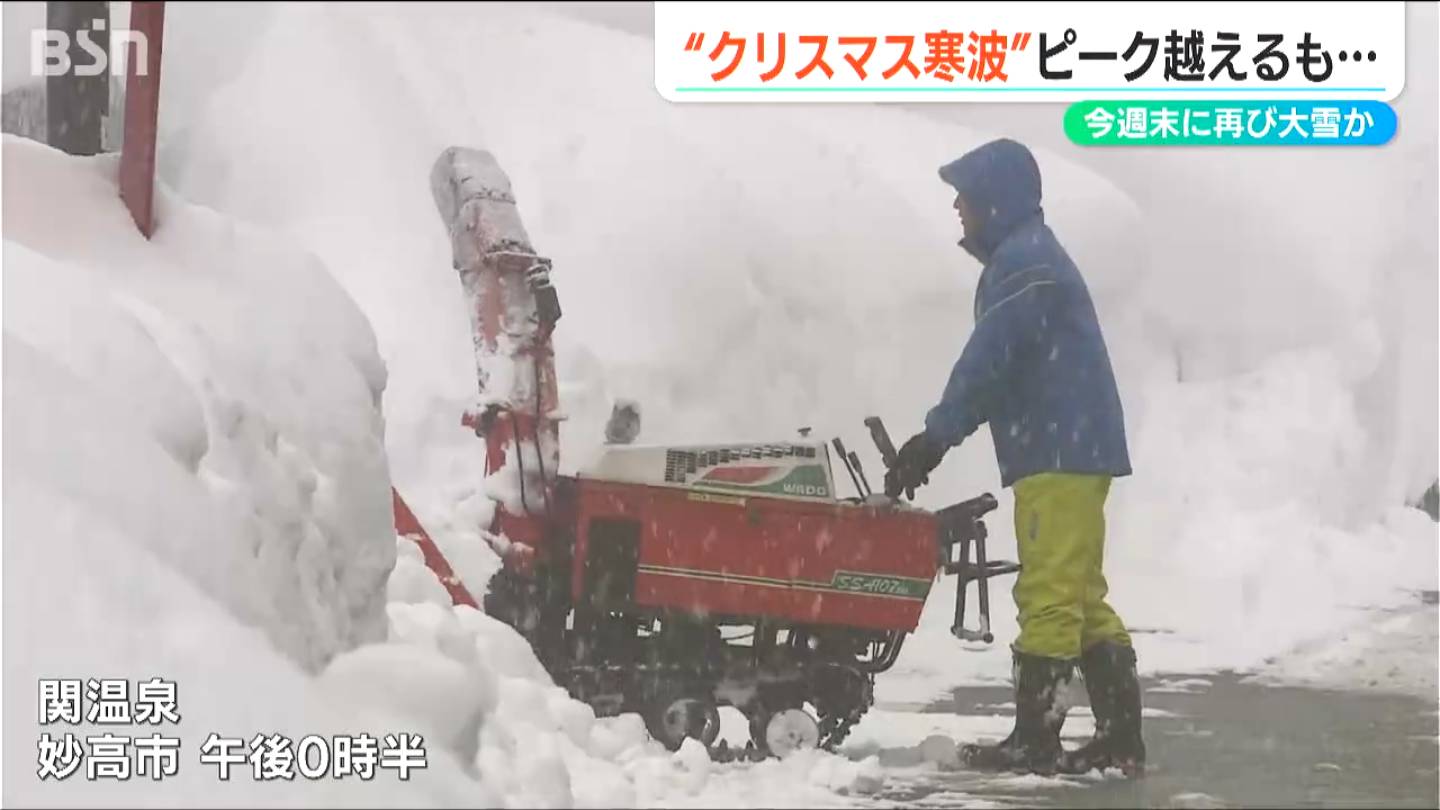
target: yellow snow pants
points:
(1060, 591)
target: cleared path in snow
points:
(1213, 741)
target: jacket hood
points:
(1000, 181)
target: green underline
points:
(1057, 89)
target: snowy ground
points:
(1389, 651)
(203, 429)
(1212, 741)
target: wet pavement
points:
(1218, 741)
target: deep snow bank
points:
(213, 392)
(196, 486)
(742, 271)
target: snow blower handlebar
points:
(882, 440)
(960, 527)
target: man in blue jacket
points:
(1037, 370)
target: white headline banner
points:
(1026, 52)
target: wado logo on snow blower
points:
(50, 51)
(802, 480)
(776, 469)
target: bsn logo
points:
(50, 51)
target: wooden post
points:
(142, 108)
(76, 103)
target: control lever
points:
(887, 454)
(845, 458)
(855, 461)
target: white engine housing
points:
(780, 470)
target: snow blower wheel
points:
(791, 730)
(671, 722)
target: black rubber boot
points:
(1034, 745)
(1114, 689)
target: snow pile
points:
(1394, 652)
(196, 485)
(536, 746)
(214, 391)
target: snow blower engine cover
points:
(782, 470)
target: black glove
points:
(913, 463)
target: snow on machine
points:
(671, 581)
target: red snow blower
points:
(671, 581)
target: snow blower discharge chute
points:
(671, 581)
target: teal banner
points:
(1230, 123)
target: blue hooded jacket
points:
(1035, 367)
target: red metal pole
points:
(408, 526)
(142, 108)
